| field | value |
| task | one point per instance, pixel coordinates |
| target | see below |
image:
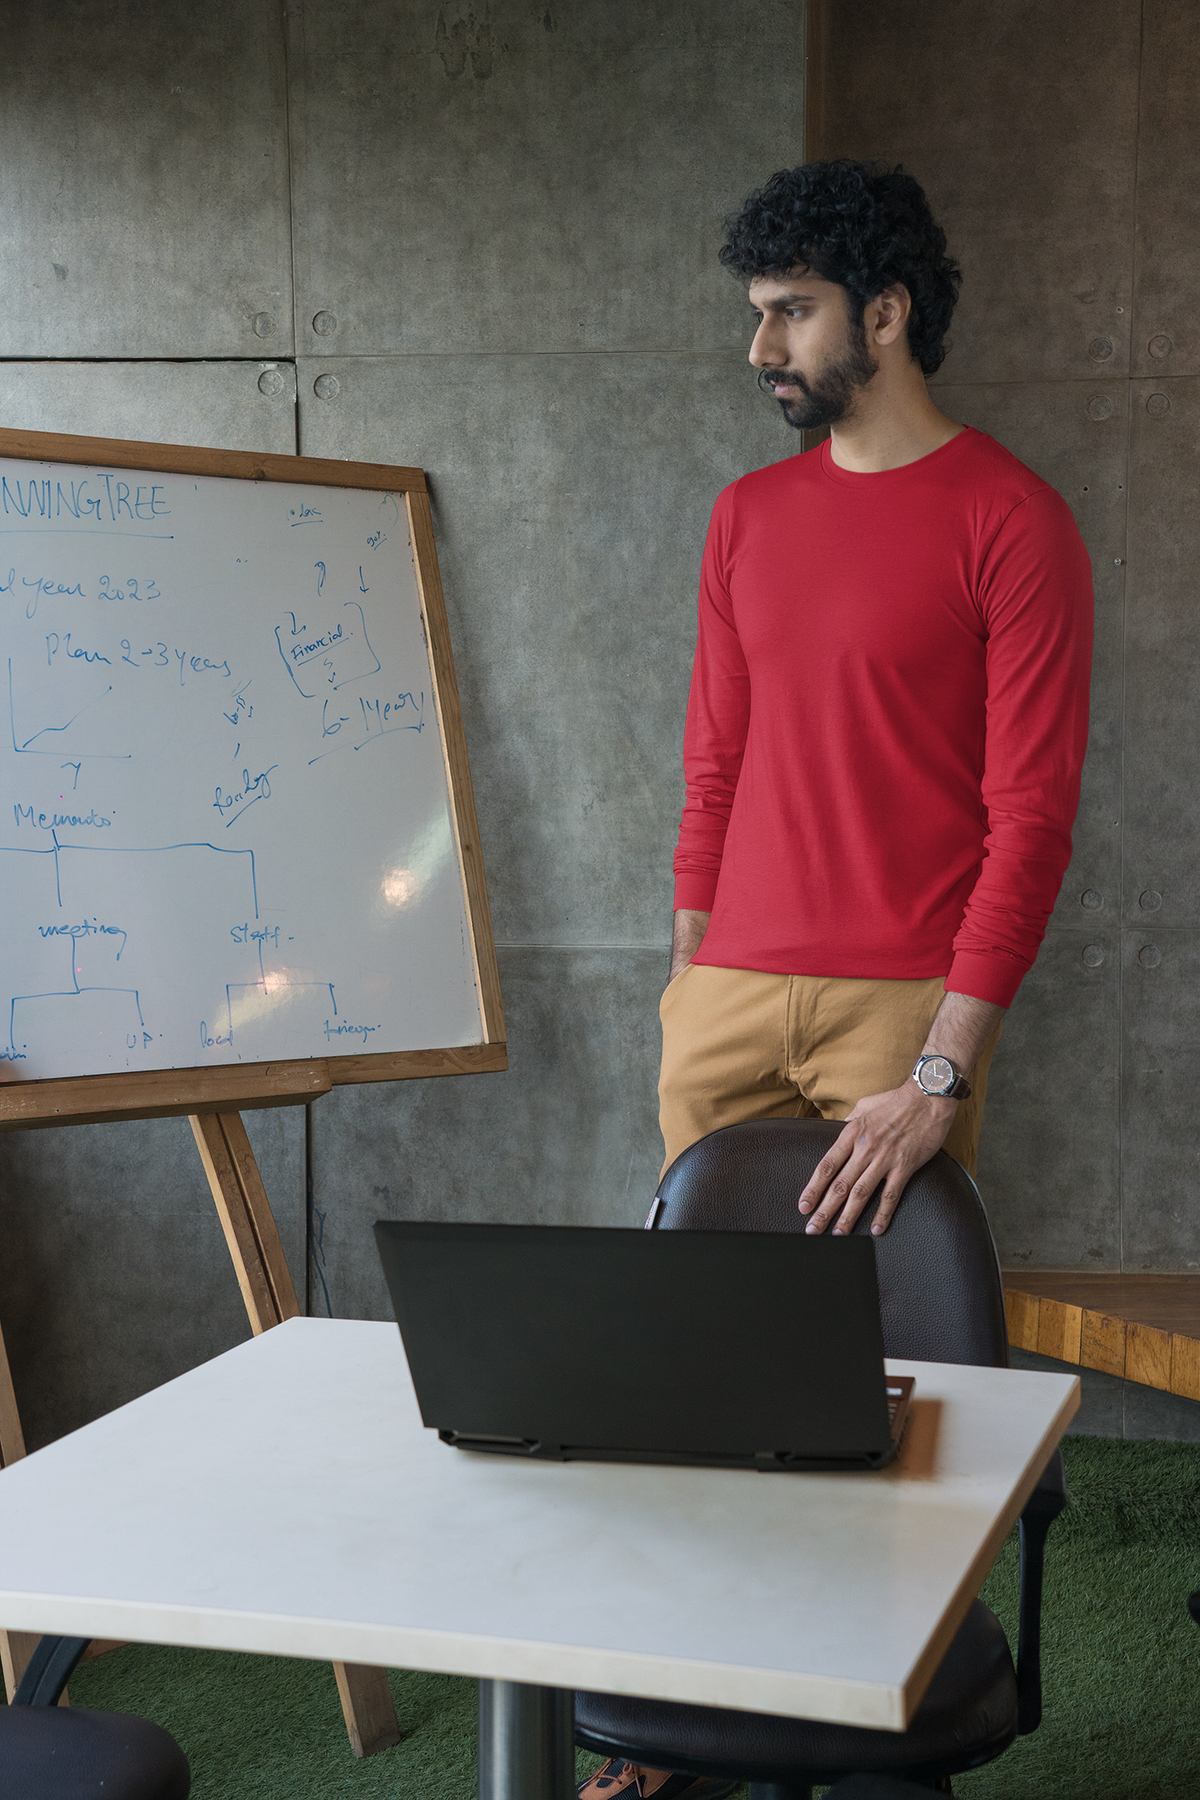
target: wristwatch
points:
(938, 1077)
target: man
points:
(885, 731)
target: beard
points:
(830, 396)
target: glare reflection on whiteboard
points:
(400, 887)
(427, 856)
(274, 981)
(250, 1001)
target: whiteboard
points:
(226, 830)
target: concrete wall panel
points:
(1019, 117)
(1165, 337)
(115, 1276)
(571, 502)
(223, 405)
(567, 1136)
(144, 150)
(1161, 1045)
(1049, 1152)
(531, 176)
(1162, 795)
(1162, 829)
(1075, 436)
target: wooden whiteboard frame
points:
(168, 1093)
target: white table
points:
(285, 1498)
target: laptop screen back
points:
(685, 1343)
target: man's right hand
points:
(686, 938)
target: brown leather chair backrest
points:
(940, 1292)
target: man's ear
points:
(888, 314)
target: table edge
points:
(740, 1687)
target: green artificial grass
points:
(1121, 1671)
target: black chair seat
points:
(968, 1716)
(74, 1753)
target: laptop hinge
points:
(506, 1446)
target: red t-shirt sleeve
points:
(714, 738)
(1035, 591)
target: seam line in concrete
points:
(584, 949)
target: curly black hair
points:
(862, 225)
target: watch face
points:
(936, 1075)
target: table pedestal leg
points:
(526, 1742)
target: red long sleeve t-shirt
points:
(887, 720)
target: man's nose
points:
(764, 354)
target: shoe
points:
(618, 1780)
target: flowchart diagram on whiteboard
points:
(226, 833)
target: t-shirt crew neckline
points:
(849, 477)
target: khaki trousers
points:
(739, 1044)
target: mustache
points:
(769, 378)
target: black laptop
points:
(743, 1350)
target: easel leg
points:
(16, 1647)
(366, 1707)
(245, 1213)
(270, 1297)
(12, 1438)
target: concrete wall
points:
(1057, 142)
(496, 228)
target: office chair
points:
(75, 1753)
(941, 1300)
